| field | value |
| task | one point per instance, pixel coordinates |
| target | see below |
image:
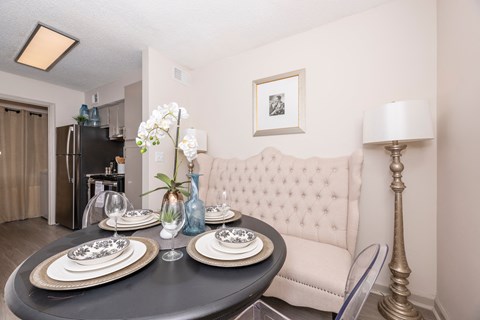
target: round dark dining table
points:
(184, 289)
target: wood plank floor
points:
(20, 239)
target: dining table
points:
(182, 289)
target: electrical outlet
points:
(159, 156)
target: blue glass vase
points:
(194, 210)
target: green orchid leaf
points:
(178, 184)
(184, 192)
(156, 189)
(165, 179)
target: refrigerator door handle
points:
(70, 130)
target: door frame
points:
(51, 148)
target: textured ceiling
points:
(193, 33)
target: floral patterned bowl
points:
(98, 251)
(235, 237)
(136, 215)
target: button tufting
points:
(316, 225)
(334, 197)
(309, 210)
(304, 170)
(303, 195)
(325, 211)
(334, 170)
(334, 228)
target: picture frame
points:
(279, 104)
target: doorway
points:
(24, 160)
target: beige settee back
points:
(314, 199)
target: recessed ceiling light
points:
(45, 47)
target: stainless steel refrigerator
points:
(80, 150)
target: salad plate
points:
(136, 215)
(217, 246)
(56, 270)
(98, 251)
(235, 238)
(121, 223)
(266, 251)
(40, 279)
(236, 216)
(75, 267)
(228, 215)
(204, 247)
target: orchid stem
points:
(176, 146)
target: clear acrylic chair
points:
(363, 274)
(95, 209)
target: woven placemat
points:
(180, 241)
(40, 279)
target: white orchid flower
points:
(189, 145)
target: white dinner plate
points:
(75, 267)
(142, 219)
(204, 247)
(220, 218)
(218, 247)
(56, 270)
(111, 222)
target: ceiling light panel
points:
(45, 47)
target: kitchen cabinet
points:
(116, 119)
(133, 110)
(103, 113)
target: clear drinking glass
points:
(173, 220)
(223, 205)
(115, 207)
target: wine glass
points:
(223, 205)
(173, 219)
(115, 207)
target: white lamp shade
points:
(398, 121)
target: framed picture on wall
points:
(279, 104)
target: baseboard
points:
(439, 311)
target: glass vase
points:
(194, 209)
(172, 202)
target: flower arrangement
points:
(159, 126)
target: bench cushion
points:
(314, 275)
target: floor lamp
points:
(392, 123)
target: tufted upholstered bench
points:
(312, 202)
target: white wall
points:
(158, 88)
(62, 105)
(67, 101)
(458, 158)
(113, 91)
(362, 61)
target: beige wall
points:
(113, 91)
(365, 60)
(458, 158)
(67, 101)
(160, 88)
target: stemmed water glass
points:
(223, 205)
(115, 207)
(173, 220)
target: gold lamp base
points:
(397, 306)
(393, 310)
